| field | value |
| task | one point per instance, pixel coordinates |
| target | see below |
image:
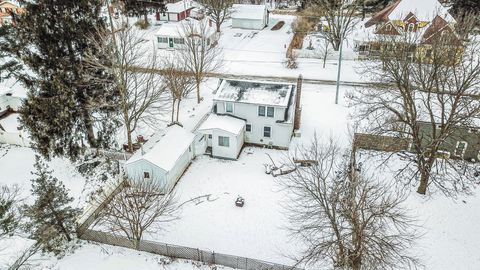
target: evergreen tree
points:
(462, 8)
(51, 219)
(67, 105)
(8, 65)
(143, 7)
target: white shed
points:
(224, 134)
(250, 16)
(163, 159)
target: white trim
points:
(263, 132)
(455, 153)
(233, 107)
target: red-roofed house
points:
(8, 8)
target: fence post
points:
(168, 253)
(198, 255)
(246, 263)
(213, 257)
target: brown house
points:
(420, 24)
(7, 11)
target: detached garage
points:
(253, 17)
(225, 135)
(163, 158)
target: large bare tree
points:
(200, 53)
(178, 82)
(218, 10)
(337, 18)
(433, 91)
(344, 215)
(142, 99)
(141, 207)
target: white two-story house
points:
(258, 113)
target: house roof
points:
(9, 122)
(180, 6)
(12, 87)
(251, 12)
(262, 93)
(177, 29)
(164, 148)
(223, 122)
(424, 10)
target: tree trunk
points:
(218, 26)
(178, 109)
(422, 188)
(173, 110)
(324, 59)
(199, 99)
(129, 139)
(89, 129)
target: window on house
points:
(261, 110)
(162, 40)
(270, 111)
(267, 132)
(179, 40)
(146, 175)
(229, 107)
(388, 27)
(460, 148)
(411, 27)
(248, 127)
(209, 136)
(223, 141)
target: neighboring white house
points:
(10, 130)
(224, 135)
(163, 158)
(176, 11)
(267, 108)
(250, 16)
(172, 35)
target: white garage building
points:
(253, 17)
(163, 158)
(224, 134)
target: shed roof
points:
(13, 88)
(251, 12)
(10, 123)
(165, 148)
(262, 93)
(223, 122)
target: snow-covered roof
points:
(10, 123)
(251, 12)
(164, 148)
(263, 93)
(177, 29)
(12, 87)
(180, 6)
(424, 10)
(223, 122)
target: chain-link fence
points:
(184, 252)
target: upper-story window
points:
(388, 27)
(411, 27)
(266, 111)
(229, 107)
(460, 148)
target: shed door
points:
(170, 42)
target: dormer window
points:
(411, 27)
(388, 27)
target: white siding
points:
(230, 152)
(14, 138)
(257, 24)
(281, 132)
(180, 166)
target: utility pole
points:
(339, 69)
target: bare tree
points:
(178, 82)
(9, 212)
(338, 18)
(434, 92)
(200, 53)
(218, 10)
(142, 100)
(140, 207)
(324, 49)
(344, 215)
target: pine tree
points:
(51, 219)
(66, 108)
(462, 8)
(143, 7)
(8, 65)
(9, 218)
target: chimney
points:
(298, 107)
